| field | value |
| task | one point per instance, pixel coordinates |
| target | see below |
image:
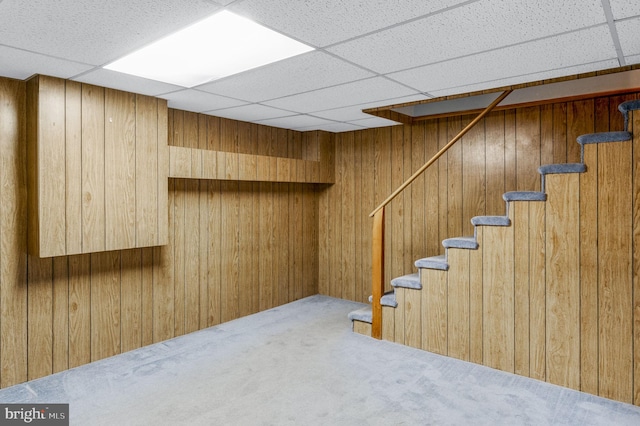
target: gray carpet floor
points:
(300, 364)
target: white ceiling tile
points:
(542, 55)
(526, 78)
(632, 60)
(296, 122)
(126, 82)
(301, 73)
(624, 8)
(196, 101)
(629, 35)
(251, 112)
(335, 127)
(321, 23)
(374, 122)
(19, 64)
(359, 92)
(353, 113)
(480, 26)
(94, 31)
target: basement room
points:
(320, 212)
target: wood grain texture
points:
(458, 299)
(146, 167)
(589, 271)
(562, 266)
(13, 228)
(120, 169)
(615, 296)
(537, 291)
(635, 126)
(434, 312)
(413, 318)
(73, 167)
(498, 298)
(93, 174)
(67, 311)
(519, 214)
(475, 300)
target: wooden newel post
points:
(377, 278)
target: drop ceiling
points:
(368, 53)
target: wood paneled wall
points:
(234, 248)
(98, 164)
(502, 153)
(552, 297)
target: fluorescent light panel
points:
(216, 47)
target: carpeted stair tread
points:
(551, 169)
(363, 315)
(407, 281)
(604, 137)
(434, 262)
(468, 243)
(388, 299)
(524, 196)
(491, 221)
(627, 106)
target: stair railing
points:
(378, 223)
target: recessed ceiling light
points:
(216, 47)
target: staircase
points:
(549, 290)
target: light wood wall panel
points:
(85, 145)
(66, 311)
(562, 283)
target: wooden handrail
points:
(442, 151)
(377, 278)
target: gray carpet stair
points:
(408, 281)
(363, 315)
(470, 243)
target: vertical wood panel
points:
(348, 217)
(434, 312)
(106, 338)
(191, 256)
(120, 169)
(495, 162)
(13, 228)
(51, 155)
(73, 166)
(79, 310)
(93, 177)
(537, 291)
(563, 301)
(475, 300)
(527, 148)
(498, 298)
(458, 304)
(519, 213)
(589, 272)
(163, 173)
(473, 176)
(413, 318)
(634, 121)
(615, 296)
(230, 245)
(214, 200)
(131, 299)
(245, 283)
(60, 314)
(146, 158)
(40, 315)
(454, 180)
